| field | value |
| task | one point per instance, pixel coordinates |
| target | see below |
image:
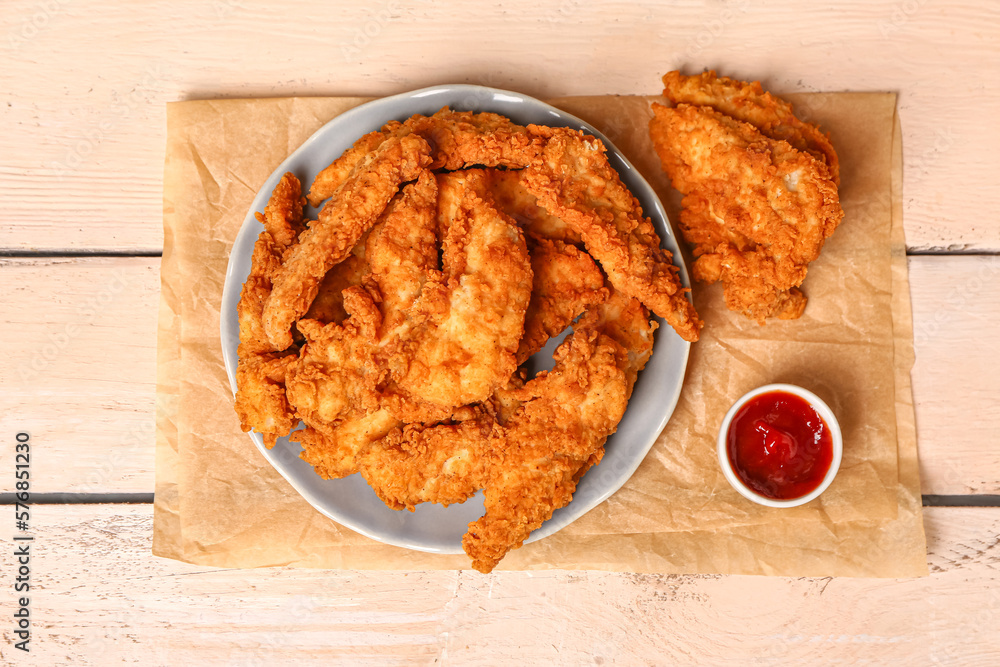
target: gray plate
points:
(350, 501)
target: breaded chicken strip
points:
(749, 103)
(459, 341)
(512, 197)
(261, 403)
(756, 209)
(333, 449)
(403, 251)
(574, 181)
(566, 283)
(442, 463)
(342, 222)
(334, 377)
(333, 388)
(260, 372)
(328, 306)
(627, 322)
(557, 433)
(459, 139)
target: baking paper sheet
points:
(218, 502)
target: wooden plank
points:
(80, 370)
(90, 407)
(99, 597)
(82, 151)
(956, 376)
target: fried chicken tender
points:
(627, 322)
(756, 209)
(333, 386)
(260, 372)
(459, 139)
(442, 463)
(574, 181)
(459, 342)
(333, 449)
(334, 377)
(260, 396)
(328, 306)
(463, 139)
(557, 433)
(342, 222)
(749, 103)
(512, 197)
(403, 250)
(566, 283)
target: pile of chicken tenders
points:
(449, 249)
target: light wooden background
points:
(82, 92)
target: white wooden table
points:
(82, 92)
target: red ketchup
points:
(780, 446)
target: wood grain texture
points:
(956, 376)
(99, 597)
(90, 406)
(82, 114)
(79, 375)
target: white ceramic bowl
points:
(824, 411)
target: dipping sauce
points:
(780, 446)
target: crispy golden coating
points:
(463, 139)
(566, 283)
(560, 428)
(574, 181)
(459, 341)
(260, 396)
(334, 377)
(342, 222)
(328, 182)
(459, 139)
(403, 251)
(627, 322)
(512, 197)
(260, 372)
(444, 463)
(282, 217)
(756, 209)
(328, 306)
(749, 103)
(334, 449)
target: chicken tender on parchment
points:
(460, 340)
(459, 139)
(342, 222)
(756, 209)
(574, 181)
(441, 463)
(558, 432)
(749, 103)
(260, 373)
